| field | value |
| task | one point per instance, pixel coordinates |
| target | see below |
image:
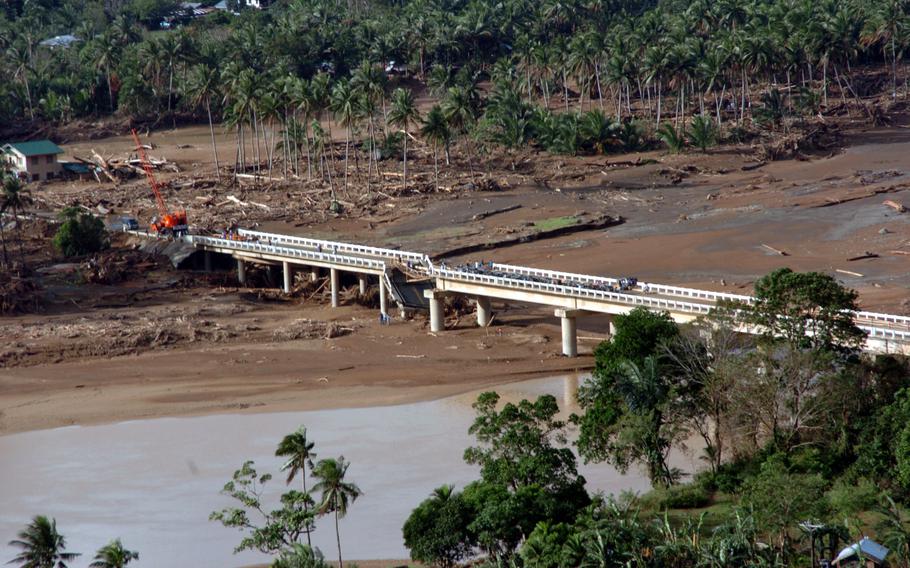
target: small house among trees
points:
(33, 161)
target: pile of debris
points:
(310, 329)
(119, 169)
(18, 295)
(116, 266)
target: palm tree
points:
(403, 114)
(344, 104)
(41, 546)
(13, 199)
(887, 27)
(460, 107)
(337, 494)
(203, 85)
(436, 130)
(21, 60)
(113, 555)
(299, 453)
(105, 54)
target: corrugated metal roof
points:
(867, 547)
(35, 148)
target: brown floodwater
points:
(153, 483)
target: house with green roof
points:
(33, 161)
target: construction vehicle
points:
(166, 223)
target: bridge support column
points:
(612, 326)
(207, 261)
(333, 276)
(288, 273)
(569, 331)
(484, 314)
(383, 298)
(363, 284)
(437, 312)
(241, 272)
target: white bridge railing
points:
(572, 291)
(274, 250)
(335, 247)
(647, 294)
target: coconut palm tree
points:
(299, 453)
(337, 494)
(105, 55)
(403, 114)
(344, 104)
(21, 61)
(41, 546)
(460, 107)
(15, 197)
(436, 130)
(204, 83)
(113, 555)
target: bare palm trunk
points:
(110, 90)
(405, 159)
(306, 508)
(208, 108)
(3, 243)
(436, 165)
(347, 141)
(338, 540)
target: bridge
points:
(570, 295)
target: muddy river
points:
(153, 483)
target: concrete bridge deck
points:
(571, 295)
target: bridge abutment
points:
(568, 323)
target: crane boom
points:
(167, 223)
(147, 166)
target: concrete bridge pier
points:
(363, 284)
(288, 272)
(484, 315)
(333, 275)
(241, 272)
(207, 260)
(383, 298)
(569, 331)
(437, 311)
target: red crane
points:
(165, 223)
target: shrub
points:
(690, 496)
(81, 233)
(673, 138)
(703, 134)
(848, 498)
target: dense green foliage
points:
(799, 435)
(80, 233)
(565, 76)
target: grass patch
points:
(555, 223)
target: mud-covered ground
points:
(142, 339)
